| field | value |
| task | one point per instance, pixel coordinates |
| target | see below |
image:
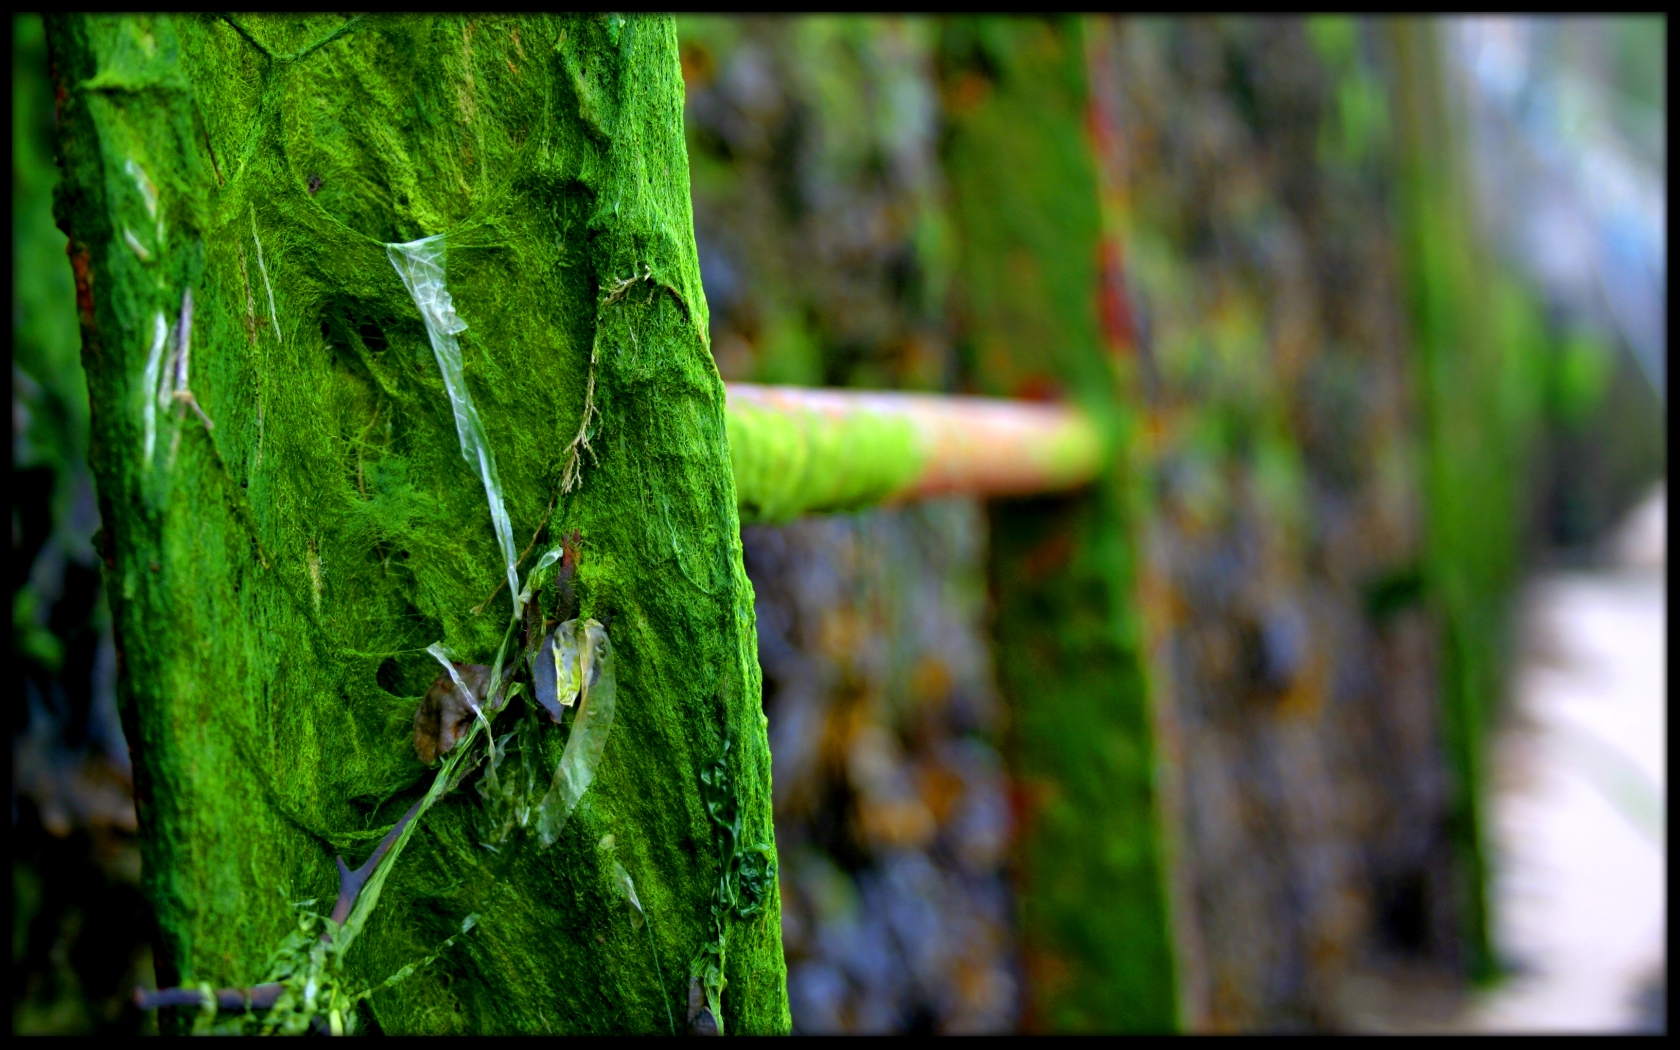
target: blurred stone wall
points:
(892, 813)
(1254, 288)
(813, 152)
(1296, 665)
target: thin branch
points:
(347, 27)
(350, 883)
(246, 33)
(264, 996)
(228, 1000)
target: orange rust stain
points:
(968, 94)
(1046, 974)
(1038, 388)
(1114, 306)
(930, 681)
(81, 264)
(1050, 555)
(940, 790)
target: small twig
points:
(622, 288)
(186, 398)
(228, 1000)
(572, 476)
(264, 996)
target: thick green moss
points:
(789, 463)
(276, 579)
(1093, 907)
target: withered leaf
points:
(444, 716)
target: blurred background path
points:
(1579, 843)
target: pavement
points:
(1578, 803)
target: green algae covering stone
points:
(290, 522)
(1094, 921)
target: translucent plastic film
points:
(537, 576)
(589, 732)
(148, 405)
(420, 265)
(556, 673)
(627, 889)
(446, 658)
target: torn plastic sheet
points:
(588, 738)
(622, 882)
(537, 577)
(420, 265)
(135, 246)
(171, 367)
(149, 381)
(502, 811)
(446, 714)
(148, 195)
(627, 890)
(183, 339)
(509, 790)
(148, 192)
(443, 656)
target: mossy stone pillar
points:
(292, 525)
(1093, 906)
